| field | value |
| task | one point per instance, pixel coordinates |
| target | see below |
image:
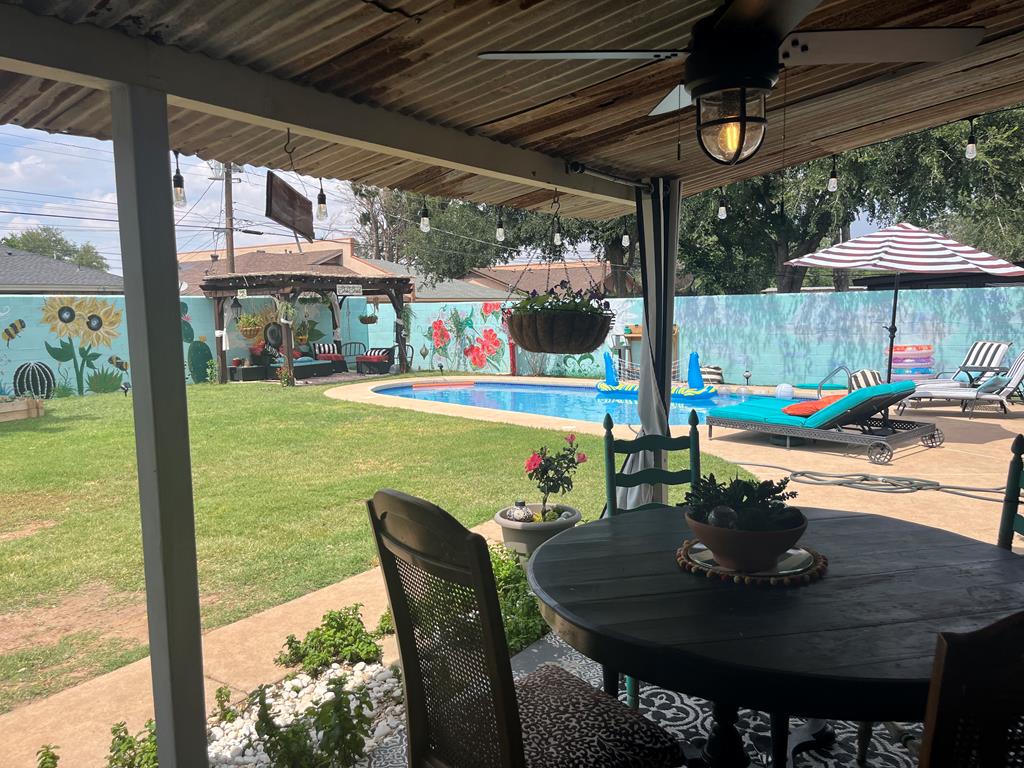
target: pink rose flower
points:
(533, 462)
(581, 458)
(570, 438)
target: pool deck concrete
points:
(241, 655)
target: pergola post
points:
(397, 302)
(220, 336)
(161, 421)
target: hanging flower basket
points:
(559, 332)
(561, 321)
(367, 319)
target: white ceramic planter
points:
(524, 538)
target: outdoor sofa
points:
(851, 420)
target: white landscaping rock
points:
(237, 743)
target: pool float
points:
(611, 386)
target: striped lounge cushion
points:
(864, 378)
(712, 374)
(985, 354)
(324, 349)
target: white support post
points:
(161, 421)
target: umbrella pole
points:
(892, 327)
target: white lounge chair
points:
(997, 389)
(983, 360)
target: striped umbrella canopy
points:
(906, 248)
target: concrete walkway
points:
(241, 655)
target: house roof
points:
(193, 272)
(320, 247)
(540, 277)
(444, 290)
(25, 272)
(412, 65)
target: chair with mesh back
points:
(975, 713)
(463, 708)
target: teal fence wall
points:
(794, 338)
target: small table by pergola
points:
(288, 286)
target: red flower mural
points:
(489, 342)
(477, 356)
(490, 308)
(440, 334)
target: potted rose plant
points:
(524, 527)
(746, 524)
(561, 321)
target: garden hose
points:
(884, 483)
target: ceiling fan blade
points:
(779, 16)
(868, 46)
(579, 55)
(675, 100)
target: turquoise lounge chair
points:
(852, 420)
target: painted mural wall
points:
(76, 345)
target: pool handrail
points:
(849, 378)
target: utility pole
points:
(229, 220)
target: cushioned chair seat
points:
(330, 356)
(762, 411)
(371, 358)
(569, 724)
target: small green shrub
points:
(127, 751)
(340, 637)
(343, 725)
(105, 380)
(519, 610)
(47, 757)
(386, 624)
(212, 369)
(225, 712)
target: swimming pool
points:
(567, 402)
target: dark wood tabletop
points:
(857, 645)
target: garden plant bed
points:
(15, 410)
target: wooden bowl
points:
(746, 551)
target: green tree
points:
(50, 241)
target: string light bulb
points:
(557, 237)
(722, 212)
(833, 178)
(625, 236)
(321, 203)
(424, 219)
(178, 183)
(971, 151)
(499, 230)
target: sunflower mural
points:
(82, 325)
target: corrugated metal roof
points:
(418, 58)
(22, 271)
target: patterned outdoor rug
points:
(685, 716)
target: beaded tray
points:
(797, 567)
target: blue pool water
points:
(579, 403)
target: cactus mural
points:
(35, 380)
(197, 353)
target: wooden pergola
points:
(287, 287)
(392, 94)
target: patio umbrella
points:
(906, 248)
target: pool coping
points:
(371, 393)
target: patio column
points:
(220, 336)
(150, 265)
(657, 213)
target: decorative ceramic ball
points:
(784, 391)
(519, 514)
(567, 515)
(722, 516)
(35, 379)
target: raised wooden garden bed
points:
(14, 410)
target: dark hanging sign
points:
(288, 207)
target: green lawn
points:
(280, 478)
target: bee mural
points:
(13, 330)
(117, 362)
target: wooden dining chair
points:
(464, 710)
(975, 713)
(614, 447)
(1012, 521)
(614, 480)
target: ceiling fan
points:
(735, 54)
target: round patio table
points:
(857, 645)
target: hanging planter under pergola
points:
(563, 323)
